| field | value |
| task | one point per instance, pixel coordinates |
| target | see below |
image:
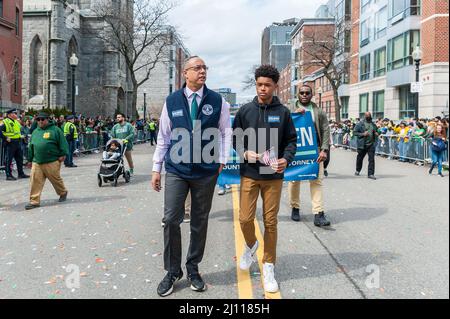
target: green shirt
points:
(47, 145)
(124, 132)
(369, 139)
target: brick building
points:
(10, 53)
(284, 86)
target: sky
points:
(227, 34)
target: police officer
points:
(12, 139)
(71, 134)
(152, 129)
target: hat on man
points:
(42, 115)
(11, 111)
(70, 117)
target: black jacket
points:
(359, 131)
(265, 117)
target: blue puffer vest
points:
(187, 139)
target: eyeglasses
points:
(304, 93)
(40, 119)
(197, 68)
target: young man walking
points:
(124, 131)
(187, 114)
(268, 124)
(367, 134)
(321, 124)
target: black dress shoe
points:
(325, 173)
(11, 178)
(441, 175)
(31, 206)
(320, 220)
(357, 173)
(372, 177)
(197, 283)
(165, 287)
(24, 176)
(63, 197)
(295, 215)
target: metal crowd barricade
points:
(394, 147)
(2, 155)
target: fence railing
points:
(87, 142)
(394, 147)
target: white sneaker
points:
(248, 257)
(270, 284)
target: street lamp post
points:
(145, 104)
(73, 61)
(417, 57)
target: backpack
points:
(438, 145)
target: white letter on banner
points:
(308, 135)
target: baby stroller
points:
(112, 169)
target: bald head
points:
(195, 73)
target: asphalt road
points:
(388, 239)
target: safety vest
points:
(152, 126)
(13, 128)
(67, 127)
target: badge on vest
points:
(208, 110)
(274, 119)
(46, 135)
(178, 113)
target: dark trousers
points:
(176, 191)
(69, 158)
(369, 150)
(327, 162)
(14, 150)
(153, 137)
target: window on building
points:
(408, 103)
(16, 77)
(364, 71)
(380, 62)
(273, 38)
(17, 21)
(36, 67)
(365, 32)
(381, 19)
(288, 38)
(363, 104)
(406, 7)
(400, 49)
(378, 105)
(344, 107)
(364, 5)
(1, 8)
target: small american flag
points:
(269, 157)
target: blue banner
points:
(303, 167)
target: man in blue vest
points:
(193, 160)
(12, 138)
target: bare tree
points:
(249, 82)
(325, 51)
(140, 35)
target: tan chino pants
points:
(316, 188)
(39, 174)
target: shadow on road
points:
(81, 200)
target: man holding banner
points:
(265, 139)
(304, 105)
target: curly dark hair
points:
(267, 71)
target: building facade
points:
(11, 33)
(228, 95)
(384, 35)
(53, 31)
(166, 78)
(276, 43)
(303, 68)
(284, 85)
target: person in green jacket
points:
(47, 150)
(124, 131)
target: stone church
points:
(53, 31)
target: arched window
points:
(16, 79)
(36, 67)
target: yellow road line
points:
(244, 281)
